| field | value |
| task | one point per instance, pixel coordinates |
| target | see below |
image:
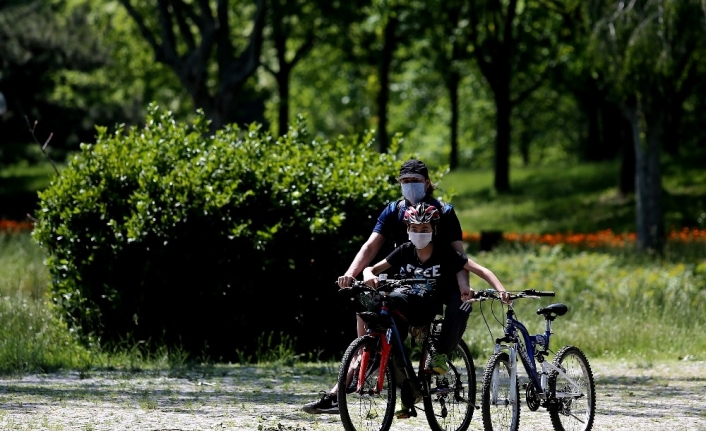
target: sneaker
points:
(406, 412)
(327, 404)
(438, 363)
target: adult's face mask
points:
(419, 239)
(414, 192)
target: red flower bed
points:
(604, 238)
(11, 226)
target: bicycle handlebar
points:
(528, 293)
(386, 285)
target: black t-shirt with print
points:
(406, 264)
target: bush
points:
(206, 241)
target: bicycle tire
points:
(452, 401)
(500, 413)
(574, 413)
(366, 410)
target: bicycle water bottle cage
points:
(551, 312)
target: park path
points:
(634, 397)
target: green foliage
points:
(169, 234)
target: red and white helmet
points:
(421, 213)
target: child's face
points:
(420, 228)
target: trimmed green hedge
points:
(206, 241)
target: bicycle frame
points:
(390, 338)
(529, 348)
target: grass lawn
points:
(578, 198)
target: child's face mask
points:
(419, 239)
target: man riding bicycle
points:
(416, 187)
(421, 259)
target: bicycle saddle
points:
(557, 309)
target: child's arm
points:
(370, 273)
(463, 285)
(488, 276)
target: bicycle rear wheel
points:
(365, 409)
(501, 412)
(453, 395)
(575, 391)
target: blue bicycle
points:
(564, 386)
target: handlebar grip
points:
(485, 293)
(534, 292)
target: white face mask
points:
(419, 239)
(414, 192)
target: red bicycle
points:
(373, 363)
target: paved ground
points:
(642, 397)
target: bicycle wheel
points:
(500, 411)
(575, 391)
(365, 410)
(453, 395)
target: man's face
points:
(408, 180)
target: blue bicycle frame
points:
(517, 339)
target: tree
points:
(447, 41)
(192, 38)
(374, 43)
(647, 47)
(37, 42)
(292, 32)
(514, 44)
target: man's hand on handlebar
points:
(345, 281)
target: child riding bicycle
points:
(420, 259)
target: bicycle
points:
(564, 386)
(367, 378)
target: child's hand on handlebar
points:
(370, 280)
(466, 293)
(505, 298)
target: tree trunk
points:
(648, 182)
(626, 182)
(386, 55)
(502, 140)
(283, 88)
(588, 97)
(452, 83)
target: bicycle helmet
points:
(421, 213)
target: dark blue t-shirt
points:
(391, 223)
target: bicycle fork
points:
(513, 395)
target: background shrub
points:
(206, 241)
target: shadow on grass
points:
(18, 196)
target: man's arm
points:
(365, 255)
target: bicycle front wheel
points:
(574, 389)
(453, 395)
(365, 409)
(501, 411)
